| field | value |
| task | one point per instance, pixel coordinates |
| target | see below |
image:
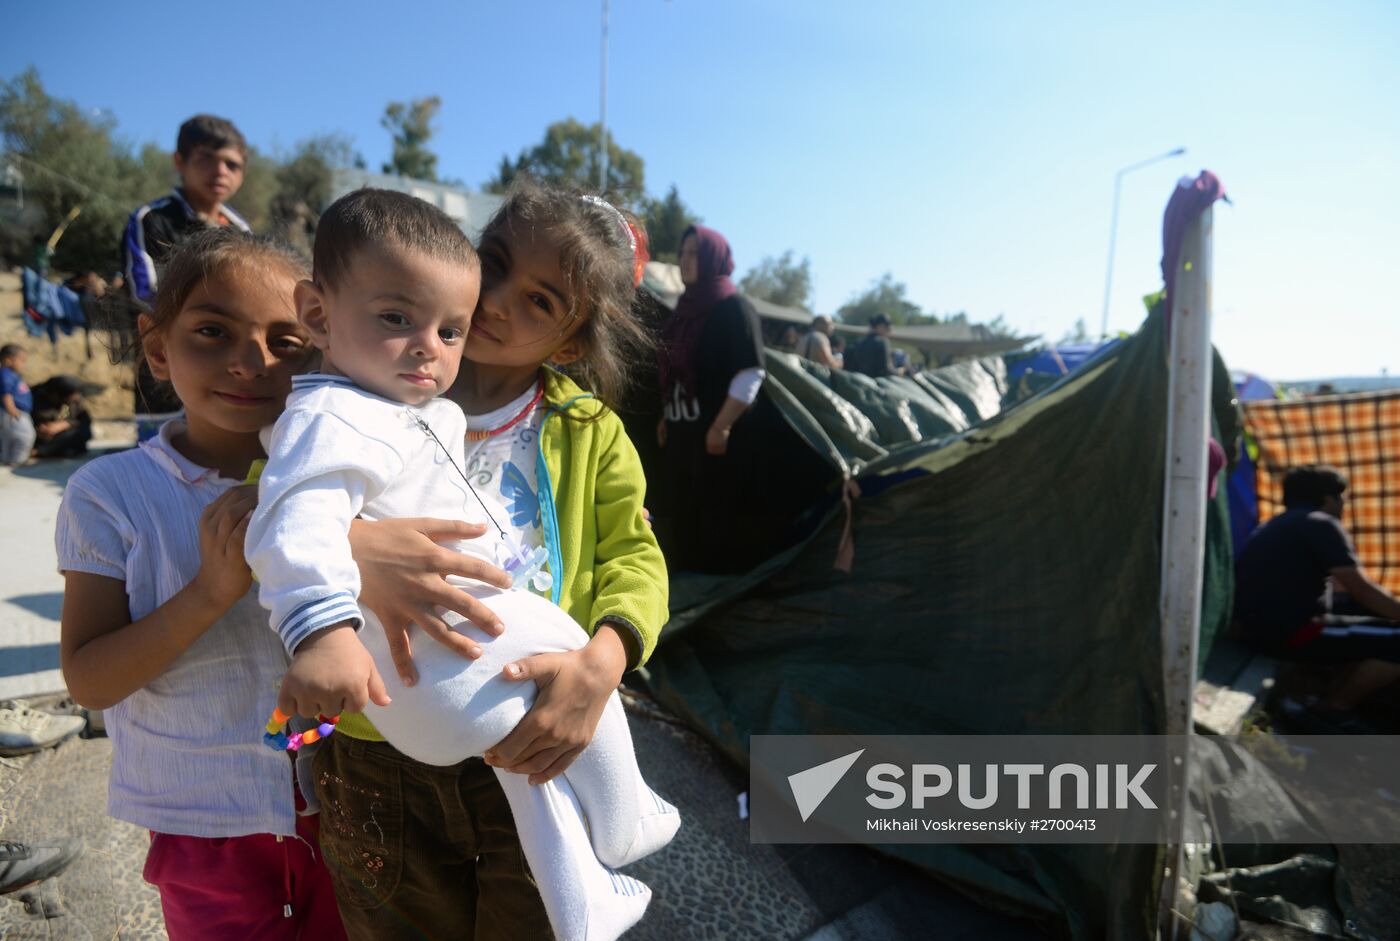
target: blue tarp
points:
(1057, 360)
(1244, 501)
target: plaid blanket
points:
(1359, 434)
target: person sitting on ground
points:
(16, 423)
(838, 351)
(62, 423)
(816, 345)
(872, 355)
(1281, 577)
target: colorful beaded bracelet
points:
(275, 737)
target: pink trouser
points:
(239, 888)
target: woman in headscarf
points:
(711, 370)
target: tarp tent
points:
(1005, 580)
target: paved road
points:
(31, 590)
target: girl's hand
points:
(717, 440)
(331, 673)
(573, 689)
(403, 580)
(223, 575)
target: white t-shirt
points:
(503, 466)
(187, 755)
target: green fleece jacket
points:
(606, 564)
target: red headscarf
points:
(681, 334)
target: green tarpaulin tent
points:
(1005, 579)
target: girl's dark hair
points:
(208, 251)
(598, 262)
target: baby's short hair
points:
(384, 217)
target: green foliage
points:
(666, 220)
(781, 281)
(254, 198)
(1079, 333)
(69, 159)
(304, 186)
(884, 296)
(999, 326)
(411, 124)
(569, 155)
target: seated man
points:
(816, 345)
(1280, 579)
(62, 422)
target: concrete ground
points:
(710, 884)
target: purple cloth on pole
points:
(1189, 200)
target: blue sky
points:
(969, 149)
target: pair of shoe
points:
(24, 729)
(24, 864)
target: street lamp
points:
(603, 111)
(1113, 224)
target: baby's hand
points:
(331, 673)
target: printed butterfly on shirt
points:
(524, 505)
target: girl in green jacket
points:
(559, 274)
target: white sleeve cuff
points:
(310, 617)
(745, 385)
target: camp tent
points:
(969, 570)
(1004, 580)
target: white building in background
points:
(469, 210)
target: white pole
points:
(603, 111)
(1184, 517)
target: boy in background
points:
(210, 158)
(16, 424)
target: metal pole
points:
(1112, 241)
(603, 110)
(1184, 519)
(1113, 225)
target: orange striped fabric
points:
(1359, 434)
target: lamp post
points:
(1113, 224)
(603, 111)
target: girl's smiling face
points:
(525, 315)
(233, 348)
